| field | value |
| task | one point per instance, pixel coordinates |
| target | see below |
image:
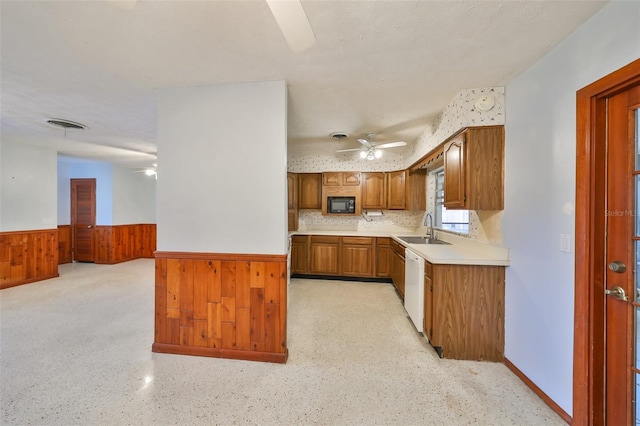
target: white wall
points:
(73, 168)
(540, 191)
(27, 187)
(122, 196)
(134, 197)
(222, 169)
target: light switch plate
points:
(565, 243)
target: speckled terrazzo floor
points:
(77, 350)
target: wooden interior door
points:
(83, 219)
(605, 369)
(622, 237)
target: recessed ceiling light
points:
(66, 124)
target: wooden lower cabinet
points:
(464, 311)
(323, 255)
(300, 254)
(333, 256)
(383, 257)
(357, 256)
(397, 266)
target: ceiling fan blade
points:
(293, 23)
(349, 150)
(365, 143)
(391, 144)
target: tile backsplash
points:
(390, 220)
(459, 113)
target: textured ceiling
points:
(386, 67)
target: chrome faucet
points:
(428, 222)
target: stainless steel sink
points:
(421, 240)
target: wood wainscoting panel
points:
(64, 244)
(121, 243)
(28, 256)
(221, 305)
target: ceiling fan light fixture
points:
(377, 153)
(370, 156)
(363, 154)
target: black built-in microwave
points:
(341, 205)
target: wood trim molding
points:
(221, 305)
(588, 404)
(550, 402)
(28, 256)
(278, 358)
(27, 232)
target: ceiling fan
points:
(149, 171)
(289, 15)
(370, 151)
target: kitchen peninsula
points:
(463, 282)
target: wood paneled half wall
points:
(221, 305)
(121, 243)
(28, 256)
(64, 244)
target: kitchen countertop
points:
(461, 251)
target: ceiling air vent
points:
(66, 124)
(338, 136)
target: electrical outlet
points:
(565, 243)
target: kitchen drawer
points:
(396, 246)
(300, 239)
(357, 240)
(383, 241)
(325, 239)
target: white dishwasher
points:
(414, 288)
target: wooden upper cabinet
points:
(474, 169)
(341, 178)
(374, 190)
(331, 178)
(309, 190)
(292, 201)
(292, 191)
(417, 190)
(350, 178)
(396, 190)
(454, 173)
